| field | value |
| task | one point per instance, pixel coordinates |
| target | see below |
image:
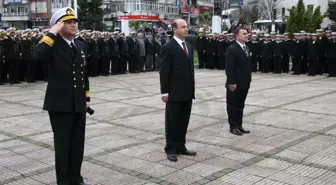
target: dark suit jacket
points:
(68, 84)
(237, 67)
(177, 72)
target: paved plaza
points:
(292, 141)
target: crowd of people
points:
(107, 53)
(309, 53)
(113, 53)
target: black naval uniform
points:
(104, 57)
(287, 45)
(201, 51)
(211, 51)
(312, 55)
(323, 45)
(65, 100)
(114, 53)
(132, 50)
(222, 46)
(277, 56)
(123, 55)
(298, 56)
(332, 57)
(28, 47)
(93, 57)
(12, 51)
(266, 53)
(2, 62)
(254, 53)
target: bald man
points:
(177, 81)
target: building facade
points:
(284, 5)
(29, 13)
(139, 10)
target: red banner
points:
(205, 7)
(138, 18)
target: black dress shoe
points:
(188, 152)
(236, 132)
(241, 129)
(172, 157)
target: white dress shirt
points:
(179, 41)
(69, 42)
(241, 45)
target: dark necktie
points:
(245, 51)
(185, 48)
(73, 47)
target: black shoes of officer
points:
(172, 157)
(244, 131)
(236, 131)
(239, 131)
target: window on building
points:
(274, 16)
(138, 5)
(310, 8)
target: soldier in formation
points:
(308, 53)
(108, 53)
(114, 53)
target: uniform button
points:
(82, 78)
(82, 72)
(74, 65)
(74, 78)
(83, 86)
(81, 65)
(75, 86)
(73, 72)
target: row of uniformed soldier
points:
(211, 49)
(310, 53)
(114, 52)
(16, 49)
(273, 53)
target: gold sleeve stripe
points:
(47, 40)
(87, 94)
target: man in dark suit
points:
(238, 72)
(67, 94)
(177, 81)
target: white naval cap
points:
(2, 31)
(26, 31)
(63, 14)
(10, 30)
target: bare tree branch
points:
(266, 7)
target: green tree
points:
(205, 18)
(299, 17)
(291, 26)
(90, 14)
(317, 18)
(134, 24)
(307, 22)
(331, 11)
(302, 19)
